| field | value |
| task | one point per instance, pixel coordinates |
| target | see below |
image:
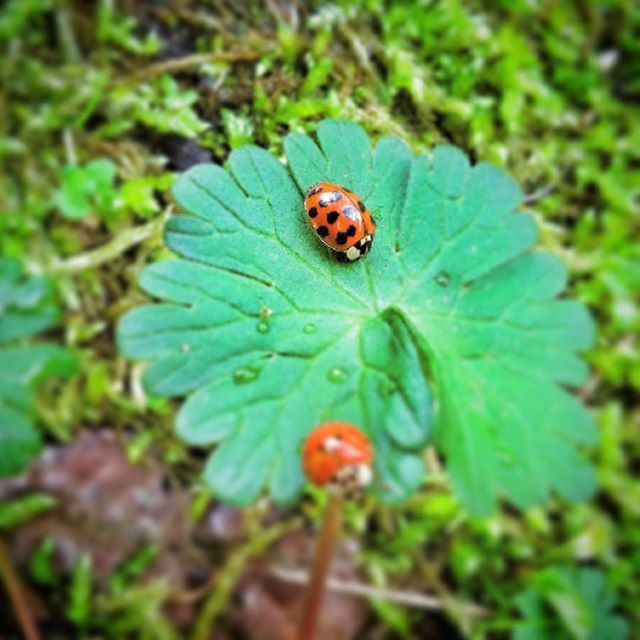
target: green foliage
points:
(137, 612)
(17, 13)
(273, 336)
(569, 603)
(18, 510)
(41, 567)
(120, 31)
(161, 106)
(139, 194)
(79, 605)
(131, 568)
(87, 189)
(26, 307)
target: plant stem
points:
(17, 596)
(121, 243)
(225, 579)
(320, 568)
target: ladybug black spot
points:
(323, 232)
(362, 207)
(351, 231)
(313, 212)
(341, 238)
(332, 216)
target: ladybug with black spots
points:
(339, 455)
(340, 220)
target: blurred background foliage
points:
(102, 103)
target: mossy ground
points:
(102, 103)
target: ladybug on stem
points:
(340, 220)
(339, 455)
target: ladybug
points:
(339, 455)
(340, 220)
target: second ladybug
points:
(340, 220)
(338, 454)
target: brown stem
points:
(320, 568)
(17, 596)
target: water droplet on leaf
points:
(506, 457)
(443, 279)
(186, 348)
(309, 328)
(262, 327)
(244, 375)
(337, 375)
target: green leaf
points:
(18, 510)
(569, 603)
(268, 335)
(26, 307)
(87, 189)
(79, 606)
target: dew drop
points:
(186, 348)
(309, 328)
(244, 375)
(506, 457)
(262, 327)
(337, 375)
(443, 279)
(265, 312)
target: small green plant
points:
(26, 307)
(269, 335)
(87, 189)
(161, 105)
(119, 30)
(569, 603)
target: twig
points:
(353, 588)
(69, 146)
(538, 194)
(112, 249)
(66, 35)
(225, 580)
(177, 64)
(358, 49)
(17, 596)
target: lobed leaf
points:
(26, 307)
(569, 603)
(268, 335)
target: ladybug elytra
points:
(340, 220)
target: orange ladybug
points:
(340, 220)
(338, 454)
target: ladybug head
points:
(339, 455)
(314, 188)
